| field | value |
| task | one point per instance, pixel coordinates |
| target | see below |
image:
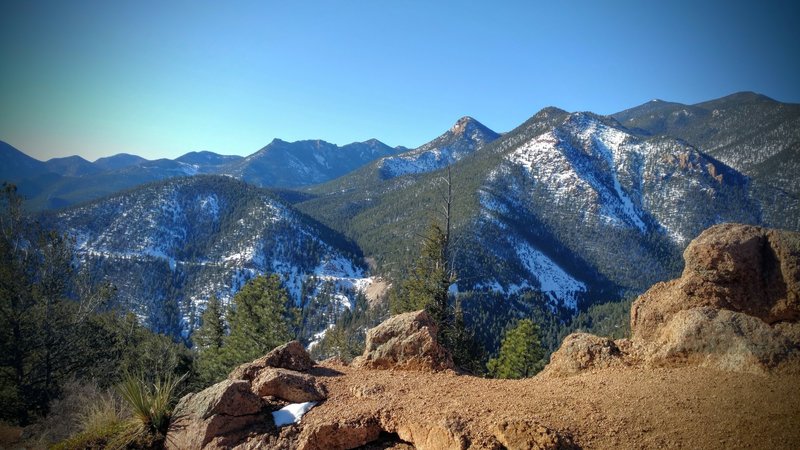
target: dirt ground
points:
(689, 407)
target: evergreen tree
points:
(259, 320)
(467, 353)
(209, 340)
(520, 354)
(427, 285)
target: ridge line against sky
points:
(160, 79)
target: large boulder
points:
(726, 340)
(736, 306)
(583, 351)
(288, 385)
(340, 435)
(742, 268)
(217, 417)
(290, 356)
(405, 341)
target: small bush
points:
(150, 405)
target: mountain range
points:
(563, 211)
(60, 182)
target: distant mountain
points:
(118, 161)
(74, 166)
(345, 197)
(66, 181)
(565, 210)
(466, 136)
(168, 246)
(303, 163)
(207, 162)
(16, 166)
(750, 132)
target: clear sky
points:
(161, 78)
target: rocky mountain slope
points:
(724, 379)
(465, 137)
(170, 245)
(567, 209)
(752, 133)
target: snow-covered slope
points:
(466, 136)
(593, 204)
(752, 133)
(169, 246)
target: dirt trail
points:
(688, 407)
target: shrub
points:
(150, 405)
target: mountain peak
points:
(463, 123)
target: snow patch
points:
(553, 280)
(291, 413)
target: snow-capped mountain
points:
(208, 162)
(169, 246)
(752, 133)
(466, 136)
(568, 209)
(565, 210)
(118, 161)
(603, 205)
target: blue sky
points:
(161, 78)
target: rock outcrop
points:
(735, 307)
(741, 268)
(290, 356)
(236, 411)
(583, 351)
(407, 342)
(287, 385)
(217, 417)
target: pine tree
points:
(209, 340)
(429, 281)
(259, 320)
(520, 354)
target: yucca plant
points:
(150, 404)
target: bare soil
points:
(629, 407)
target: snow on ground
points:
(554, 161)
(291, 413)
(317, 337)
(553, 280)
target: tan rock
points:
(529, 435)
(224, 413)
(287, 385)
(405, 341)
(734, 307)
(290, 356)
(724, 339)
(583, 351)
(741, 268)
(339, 435)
